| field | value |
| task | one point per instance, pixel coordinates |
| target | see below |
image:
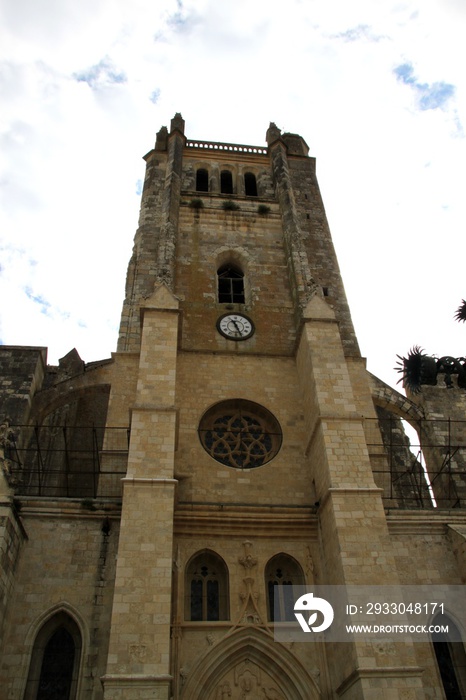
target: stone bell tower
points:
(159, 509)
(248, 466)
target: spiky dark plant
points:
(417, 369)
(460, 314)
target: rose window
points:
(240, 434)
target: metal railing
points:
(422, 465)
(419, 465)
(65, 461)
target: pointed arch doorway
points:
(248, 665)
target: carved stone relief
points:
(249, 614)
(247, 681)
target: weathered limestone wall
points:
(21, 374)
(300, 275)
(12, 538)
(317, 243)
(123, 389)
(153, 258)
(272, 382)
(311, 257)
(66, 564)
(228, 532)
(210, 237)
(354, 537)
(428, 551)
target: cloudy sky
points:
(376, 88)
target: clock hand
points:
(237, 327)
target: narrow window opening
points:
(196, 600)
(202, 180)
(55, 658)
(451, 658)
(283, 575)
(250, 185)
(230, 285)
(447, 671)
(213, 601)
(56, 675)
(207, 586)
(226, 182)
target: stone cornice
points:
(381, 672)
(243, 519)
(423, 522)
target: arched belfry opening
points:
(202, 180)
(226, 182)
(250, 185)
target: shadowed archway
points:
(249, 655)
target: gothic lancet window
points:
(202, 180)
(250, 185)
(55, 661)
(206, 588)
(56, 674)
(230, 285)
(283, 575)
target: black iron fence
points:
(420, 464)
(65, 461)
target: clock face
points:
(235, 326)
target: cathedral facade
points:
(158, 507)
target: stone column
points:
(138, 661)
(354, 537)
(214, 181)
